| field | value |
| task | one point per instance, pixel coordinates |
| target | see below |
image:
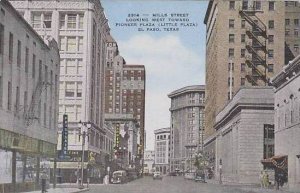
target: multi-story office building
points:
(292, 26)
(149, 156)
(81, 28)
(187, 126)
(287, 121)
(124, 91)
(162, 150)
(247, 51)
(29, 82)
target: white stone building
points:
(287, 119)
(149, 162)
(161, 149)
(80, 27)
(29, 82)
(244, 135)
(187, 125)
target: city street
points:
(173, 185)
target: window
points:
(243, 67)
(245, 5)
(271, 24)
(257, 5)
(71, 24)
(243, 38)
(71, 66)
(33, 65)
(287, 22)
(230, 66)
(243, 81)
(231, 38)
(271, 68)
(232, 81)
(79, 89)
(271, 39)
(81, 21)
(80, 44)
(26, 59)
(231, 23)
(287, 32)
(296, 32)
(36, 20)
(47, 20)
(9, 97)
(231, 52)
(231, 5)
(296, 48)
(243, 24)
(271, 5)
(62, 21)
(243, 52)
(71, 44)
(11, 47)
(270, 53)
(19, 54)
(296, 22)
(268, 141)
(1, 38)
(70, 89)
(62, 43)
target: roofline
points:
(191, 88)
(162, 130)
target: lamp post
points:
(84, 126)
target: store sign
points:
(64, 141)
(117, 135)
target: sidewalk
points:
(62, 190)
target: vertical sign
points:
(64, 141)
(118, 135)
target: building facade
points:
(187, 126)
(80, 27)
(149, 162)
(287, 119)
(29, 83)
(125, 91)
(244, 135)
(247, 51)
(162, 150)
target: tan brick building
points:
(124, 90)
(244, 47)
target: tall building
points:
(149, 162)
(81, 28)
(187, 126)
(162, 150)
(287, 123)
(124, 91)
(245, 46)
(292, 34)
(29, 83)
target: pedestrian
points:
(265, 180)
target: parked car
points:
(157, 175)
(200, 176)
(119, 177)
(189, 175)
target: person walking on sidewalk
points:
(266, 182)
(261, 175)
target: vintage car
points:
(119, 177)
(157, 175)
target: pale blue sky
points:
(172, 59)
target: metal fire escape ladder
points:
(257, 47)
(30, 114)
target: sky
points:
(173, 59)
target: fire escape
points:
(256, 47)
(30, 114)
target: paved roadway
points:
(171, 185)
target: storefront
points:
(23, 159)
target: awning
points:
(278, 161)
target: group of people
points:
(280, 179)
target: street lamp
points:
(84, 126)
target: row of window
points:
(71, 66)
(71, 43)
(296, 47)
(270, 53)
(271, 24)
(256, 5)
(231, 38)
(71, 89)
(288, 22)
(296, 32)
(243, 67)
